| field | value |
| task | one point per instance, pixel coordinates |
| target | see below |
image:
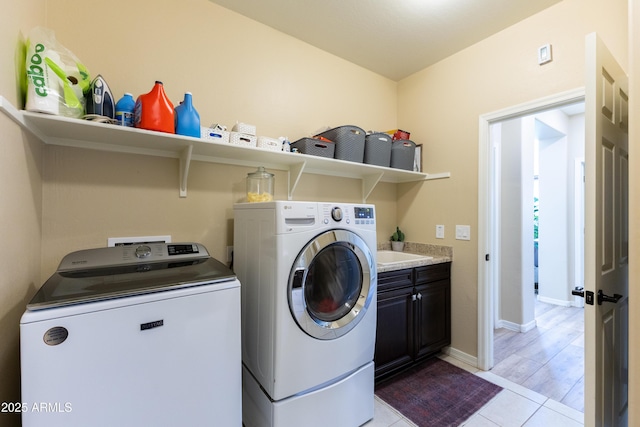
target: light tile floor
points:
(548, 359)
(514, 406)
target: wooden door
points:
(606, 238)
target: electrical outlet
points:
(463, 232)
(439, 231)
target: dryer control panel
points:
(294, 216)
(364, 215)
(347, 214)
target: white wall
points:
(553, 244)
(576, 210)
(516, 225)
(560, 143)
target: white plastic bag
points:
(56, 79)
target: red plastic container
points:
(154, 111)
(400, 134)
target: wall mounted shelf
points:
(63, 131)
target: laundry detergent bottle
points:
(187, 118)
(154, 111)
(124, 110)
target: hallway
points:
(548, 359)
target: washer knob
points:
(143, 251)
(336, 214)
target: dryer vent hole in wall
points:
(139, 240)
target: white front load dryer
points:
(308, 312)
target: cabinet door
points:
(432, 319)
(394, 334)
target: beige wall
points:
(238, 70)
(56, 199)
(441, 106)
(20, 205)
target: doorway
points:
(539, 332)
(514, 307)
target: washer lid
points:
(85, 276)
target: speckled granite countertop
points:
(439, 253)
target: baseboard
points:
(554, 301)
(516, 327)
(461, 356)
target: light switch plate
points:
(463, 232)
(544, 54)
(439, 231)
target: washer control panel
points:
(131, 254)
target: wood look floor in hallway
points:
(548, 359)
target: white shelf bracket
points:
(296, 171)
(369, 182)
(185, 162)
(442, 175)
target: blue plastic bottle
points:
(187, 118)
(124, 110)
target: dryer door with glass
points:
(331, 284)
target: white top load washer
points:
(145, 335)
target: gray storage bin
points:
(314, 147)
(349, 142)
(377, 149)
(402, 154)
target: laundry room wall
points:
(57, 200)
(20, 205)
(237, 70)
(441, 106)
(240, 70)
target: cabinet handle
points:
(413, 297)
(419, 296)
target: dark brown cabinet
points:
(414, 316)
